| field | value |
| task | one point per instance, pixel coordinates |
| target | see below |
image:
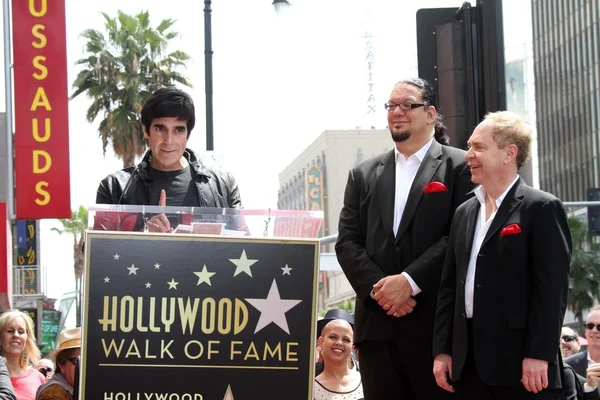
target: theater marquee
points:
(198, 318)
(41, 110)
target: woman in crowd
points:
(17, 344)
(339, 380)
(66, 355)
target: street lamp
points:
(280, 7)
(208, 76)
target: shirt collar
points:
(420, 154)
(480, 193)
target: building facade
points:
(566, 49)
(316, 180)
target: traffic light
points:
(593, 194)
(461, 52)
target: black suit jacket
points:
(579, 362)
(368, 251)
(571, 382)
(520, 293)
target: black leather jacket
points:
(216, 188)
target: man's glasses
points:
(391, 107)
(568, 338)
(74, 360)
(591, 326)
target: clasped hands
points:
(393, 294)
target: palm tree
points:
(76, 227)
(121, 71)
(584, 282)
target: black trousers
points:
(471, 387)
(399, 369)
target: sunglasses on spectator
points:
(74, 360)
(591, 326)
(568, 338)
(45, 371)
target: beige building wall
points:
(339, 151)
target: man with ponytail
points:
(392, 238)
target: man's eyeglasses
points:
(74, 360)
(391, 107)
(568, 338)
(591, 326)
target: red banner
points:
(41, 109)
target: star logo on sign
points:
(286, 270)
(133, 269)
(173, 284)
(242, 264)
(228, 393)
(148, 285)
(116, 256)
(157, 266)
(273, 309)
(204, 276)
(106, 279)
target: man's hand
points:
(593, 375)
(160, 223)
(535, 375)
(392, 293)
(442, 367)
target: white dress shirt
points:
(406, 170)
(481, 228)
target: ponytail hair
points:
(428, 95)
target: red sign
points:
(41, 110)
(5, 259)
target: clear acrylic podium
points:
(222, 308)
(211, 221)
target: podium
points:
(223, 308)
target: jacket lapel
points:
(386, 183)
(509, 205)
(471, 217)
(426, 171)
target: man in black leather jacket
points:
(169, 173)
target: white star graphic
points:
(157, 266)
(286, 270)
(273, 309)
(242, 264)
(204, 276)
(148, 285)
(106, 280)
(133, 269)
(173, 284)
(228, 393)
(116, 256)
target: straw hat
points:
(68, 339)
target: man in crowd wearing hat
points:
(66, 354)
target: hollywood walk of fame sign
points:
(184, 317)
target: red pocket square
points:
(511, 229)
(433, 187)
